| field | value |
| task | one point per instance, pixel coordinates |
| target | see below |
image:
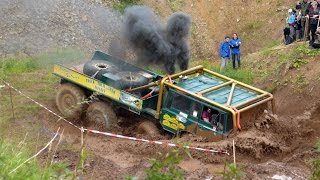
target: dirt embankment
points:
(280, 143)
(258, 23)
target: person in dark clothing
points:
(313, 14)
(286, 35)
(304, 6)
(235, 50)
(316, 43)
(298, 26)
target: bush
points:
(166, 168)
(232, 172)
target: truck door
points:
(179, 113)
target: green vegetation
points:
(15, 66)
(61, 56)
(166, 168)
(300, 82)
(316, 165)
(194, 29)
(121, 5)
(243, 74)
(18, 65)
(305, 50)
(293, 58)
(269, 48)
(33, 76)
(232, 172)
(176, 5)
(11, 157)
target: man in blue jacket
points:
(224, 51)
(235, 50)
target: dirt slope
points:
(258, 23)
(275, 143)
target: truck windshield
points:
(179, 102)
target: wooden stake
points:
(306, 28)
(12, 108)
(234, 153)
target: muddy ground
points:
(280, 143)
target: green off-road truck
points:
(179, 103)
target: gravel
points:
(32, 26)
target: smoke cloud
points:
(153, 42)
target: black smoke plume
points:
(155, 43)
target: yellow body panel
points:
(97, 86)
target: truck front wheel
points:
(100, 116)
(69, 101)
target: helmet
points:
(289, 10)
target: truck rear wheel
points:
(148, 128)
(100, 116)
(69, 101)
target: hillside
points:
(36, 35)
(258, 23)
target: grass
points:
(267, 50)
(243, 74)
(176, 5)
(121, 5)
(13, 66)
(12, 156)
(33, 76)
(316, 164)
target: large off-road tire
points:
(131, 79)
(100, 116)
(148, 128)
(97, 68)
(70, 101)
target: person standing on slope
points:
(304, 4)
(314, 13)
(224, 51)
(291, 21)
(235, 50)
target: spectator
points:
(291, 21)
(224, 51)
(235, 50)
(316, 43)
(314, 13)
(298, 26)
(304, 5)
(286, 34)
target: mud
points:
(279, 143)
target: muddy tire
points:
(148, 128)
(100, 116)
(69, 100)
(97, 68)
(131, 79)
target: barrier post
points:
(12, 107)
